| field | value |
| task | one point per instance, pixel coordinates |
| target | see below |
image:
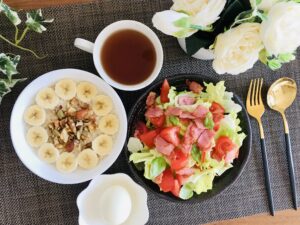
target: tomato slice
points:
(158, 121)
(168, 182)
(148, 138)
(216, 108)
(176, 189)
(224, 147)
(164, 91)
(178, 160)
(170, 134)
(218, 114)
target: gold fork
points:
(256, 109)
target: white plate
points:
(28, 155)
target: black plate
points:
(220, 183)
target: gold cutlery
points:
(256, 109)
(281, 95)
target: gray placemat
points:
(28, 199)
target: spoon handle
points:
(291, 168)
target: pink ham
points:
(205, 140)
(186, 115)
(199, 123)
(162, 146)
(173, 111)
(154, 112)
(200, 112)
(186, 100)
(158, 179)
(151, 99)
(194, 86)
(185, 171)
(186, 148)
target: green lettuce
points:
(230, 127)
(218, 93)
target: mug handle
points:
(84, 45)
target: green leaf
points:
(186, 191)
(174, 120)
(274, 64)
(8, 64)
(4, 89)
(263, 56)
(196, 154)
(10, 14)
(286, 57)
(35, 21)
(208, 121)
(158, 165)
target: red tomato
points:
(148, 138)
(224, 147)
(218, 114)
(178, 160)
(158, 121)
(140, 128)
(168, 182)
(175, 191)
(216, 108)
(164, 91)
(170, 134)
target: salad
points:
(188, 137)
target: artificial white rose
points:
(266, 4)
(173, 23)
(237, 49)
(281, 31)
(203, 12)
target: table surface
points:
(290, 217)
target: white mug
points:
(95, 49)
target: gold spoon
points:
(281, 95)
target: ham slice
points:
(186, 100)
(186, 148)
(162, 146)
(200, 112)
(205, 140)
(186, 115)
(199, 123)
(173, 111)
(151, 99)
(194, 86)
(154, 112)
(158, 179)
(185, 171)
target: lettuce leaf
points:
(229, 126)
(134, 145)
(218, 93)
(145, 156)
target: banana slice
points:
(102, 144)
(65, 89)
(47, 98)
(109, 124)
(87, 159)
(86, 91)
(102, 105)
(48, 153)
(66, 162)
(35, 115)
(36, 136)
